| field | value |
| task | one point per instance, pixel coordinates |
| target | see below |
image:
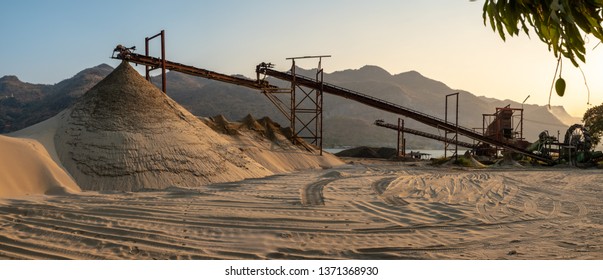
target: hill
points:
(24, 104)
(346, 123)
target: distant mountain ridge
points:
(346, 123)
(24, 104)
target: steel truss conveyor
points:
(265, 69)
(194, 71)
(267, 89)
(381, 123)
(159, 63)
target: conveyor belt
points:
(381, 123)
(329, 88)
(194, 71)
(393, 108)
(267, 89)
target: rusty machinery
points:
(317, 85)
(382, 123)
(396, 109)
(576, 148)
(505, 125)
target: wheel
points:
(579, 137)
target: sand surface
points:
(159, 183)
(267, 143)
(26, 168)
(363, 210)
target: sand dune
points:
(366, 210)
(26, 168)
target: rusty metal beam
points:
(152, 63)
(148, 68)
(382, 123)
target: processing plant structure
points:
(302, 105)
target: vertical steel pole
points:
(456, 146)
(146, 52)
(293, 85)
(398, 141)
(521, 125)
(319, 119)
(456, 130)
(163, 76)
(446, 131)
(403, 138)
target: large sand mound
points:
(125, 134)
(26, 168)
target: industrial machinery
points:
(576, 149)
(382, 123)
(501, 133)
(543, 146)
(123, 52)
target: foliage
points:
(560, 24)
(593, 120)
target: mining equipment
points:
(576, 148)
(576, 140)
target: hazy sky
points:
(48, 41)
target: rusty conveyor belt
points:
(424, 134)
(393, 108)
(326, 87)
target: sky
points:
(445, 40)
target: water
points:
(432, 153)
(334, 151)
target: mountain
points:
(204, 97)
(563, 116)
(346, 123)
(12, 88)
(24, 104)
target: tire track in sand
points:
(311, 195)
(380, 186)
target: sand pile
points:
(507, 162)
(466, 160)
(274, 131)
(249, 122)
(125, 134)
(26, 168)
(220, 124)
(267, 143)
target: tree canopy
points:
(561, 24)
(593, 120)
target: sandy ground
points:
(362, 210)
(27, 168)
